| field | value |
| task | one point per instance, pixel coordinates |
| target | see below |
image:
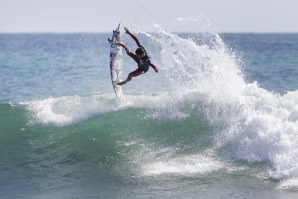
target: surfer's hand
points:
(126, 30)
(119, 43)
(156, 70)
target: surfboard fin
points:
(118, 27)
(110, 41)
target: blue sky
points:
(103, 15)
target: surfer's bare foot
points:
(115, 83)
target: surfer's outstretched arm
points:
(124, 46)
(154, 67)
(133, 36)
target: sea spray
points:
(258, 125)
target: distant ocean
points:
(219, 120)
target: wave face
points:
(205, 120)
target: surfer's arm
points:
(124, 46)
(129, 53)
(154, 67)
(133, 36)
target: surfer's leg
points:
(127, 80)
(135, 73)
(130, 75)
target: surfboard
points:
(116, 62)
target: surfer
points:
(140, 57)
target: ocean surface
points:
(219, 120)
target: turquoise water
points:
(218, 121)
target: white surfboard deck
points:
(116, 62)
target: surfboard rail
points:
(116, 61)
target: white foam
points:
(256, 124)
(183, 165)
(290, 184)
(69, 109)
(264, 128)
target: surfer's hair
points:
(140, 51)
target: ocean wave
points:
(255, 127)
(246, 122)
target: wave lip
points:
(67, 110)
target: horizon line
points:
(179, 32)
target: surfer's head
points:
(140, 52)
